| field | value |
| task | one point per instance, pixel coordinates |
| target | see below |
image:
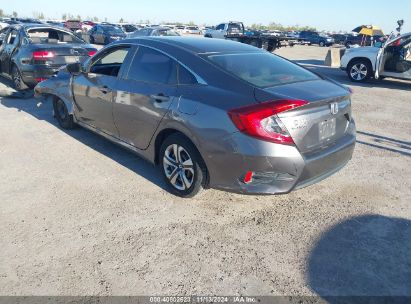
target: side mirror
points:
(74, 68)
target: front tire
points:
(18, 82)
(64, 118)
(322, 43)
(181, 166)
(359, 70)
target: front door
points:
(394, 59)
(94, 89)
(10, 43)
(144, 96)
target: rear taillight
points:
(261, 121)
(41, 55)
(91, 53)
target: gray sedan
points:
(153, 31)
(210, 113)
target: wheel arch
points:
(163, 134)
(355, 59)
(52, 97)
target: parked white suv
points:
(223, 29)
(392, 59)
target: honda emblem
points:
(334, 108)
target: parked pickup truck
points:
(235, 31)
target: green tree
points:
(15, 14)
(121, 20)
(95, 19)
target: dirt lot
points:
(81, 216)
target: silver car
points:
(210, 113)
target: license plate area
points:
(327, 129)
(72, 59)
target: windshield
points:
(51, 36)
(262, 69)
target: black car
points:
(31, 53)
(154, 31)
(105, 34)
(362, 40)
(128, 28)
(339, 38)
(315, 38)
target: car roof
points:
(195, 45)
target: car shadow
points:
(367, 255)
(340, 76)
(385, 143)
(124, 157)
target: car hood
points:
(311, 91)
(364, 49)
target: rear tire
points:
(181, 165)
(18, 83)
(62, 115)
(359, 70)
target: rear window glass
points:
(185, 77)
(152, 66)
(262, 69)
(51, 36)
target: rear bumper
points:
(276, 168)
(30, 73)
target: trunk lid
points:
(63, 54)
(320, 123)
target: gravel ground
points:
(81, 216)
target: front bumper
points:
(277, 168)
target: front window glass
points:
(110, 63)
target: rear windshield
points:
(51, 36)
(262, 69)
(112, 30)
(166, 33)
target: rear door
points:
(9, 47)
(144, 96)
(95, 89)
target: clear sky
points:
(322, 14)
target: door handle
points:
(104, 89)
(160, 97)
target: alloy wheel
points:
(178, 167)
(16, 79)
(359, 71)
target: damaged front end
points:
(57, 87)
